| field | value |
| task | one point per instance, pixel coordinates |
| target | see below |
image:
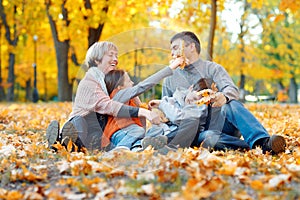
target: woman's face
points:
(109, 61)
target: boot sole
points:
(52, 133)
(277, 144)
(68, 133)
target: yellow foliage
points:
(130, 15)
(292, 5)
(256, 4)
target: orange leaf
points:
(69, 146)
(257, 185)
(14, 195)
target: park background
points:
(43, 43)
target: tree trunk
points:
(213, 21)
(293, 90)
(28, 90)
(64, 87)
(241, 35)
(2, 94)
(12, 39)
(61, 50)
(242, 96)
(95, 33)
(11, 78)
(280, 85)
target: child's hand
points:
(144, 105)
(191, 96)
(154, 103)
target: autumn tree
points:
(75, 25)
(241, 37)
(278, 44)
(201, 17)
(2, 94)
(212, 28)
(66, 18)
(59, 21)
(290, 32)
(18, 22)
(10, 23)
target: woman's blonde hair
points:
(97, 51)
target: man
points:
(228, 115)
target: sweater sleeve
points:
(128, 111)
(224, 82)
(128, 93)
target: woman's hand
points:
(152, 116)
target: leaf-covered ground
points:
(28, 170)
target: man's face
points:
(109, 61)
(175, 48)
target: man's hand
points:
(219, 100)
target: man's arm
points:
(227, 90)
(224, 83)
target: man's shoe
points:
(68, 132)
(275, 144)
(52, 133)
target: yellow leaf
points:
(70, 146)
(257, 185)
(14, 194)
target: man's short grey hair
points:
(97, 51)
(188, 37)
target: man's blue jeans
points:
(234, 116)
(213, 139)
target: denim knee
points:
(209, 138)
(136, 131)
(232, 106)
